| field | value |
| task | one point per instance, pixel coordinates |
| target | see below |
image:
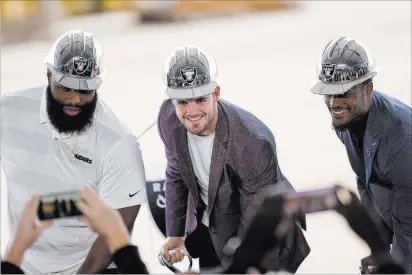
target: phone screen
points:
(314, 201)
(58, 205)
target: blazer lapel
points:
(218, 156)
(372, 136)
(370, 145)
(353, 155)
(185, 163)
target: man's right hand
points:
(175, 243)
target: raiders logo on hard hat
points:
(328, 70)
(188, 74)
(80, 65)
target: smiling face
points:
(346, 109)
(198, 115)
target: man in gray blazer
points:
(219, 157)
(376, 130)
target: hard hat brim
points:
(322, 88)
(75, 82)
(190, 93)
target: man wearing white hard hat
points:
(60, 136)
(219, 158)
(376, 130)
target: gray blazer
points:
(384, 180)
(243, 161)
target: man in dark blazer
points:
(219, 157)
(376, 130)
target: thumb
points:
(165, 251)
(44, 225)
(86, 220)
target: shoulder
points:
(167, 120)
(396, 115)
(27, 96)
(110, 129)
(246, 126)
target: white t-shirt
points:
(200, 148)
(35, 159)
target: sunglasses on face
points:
(66, 89)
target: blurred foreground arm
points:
(122, 186)
(28, 231)
(109, 224)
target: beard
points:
(351, 122)
(69, 124)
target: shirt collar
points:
(43, 110)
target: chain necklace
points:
(71, 151)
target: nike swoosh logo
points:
(131, 195)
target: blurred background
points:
(266, 52)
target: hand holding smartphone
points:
(58, 205)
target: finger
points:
(166, 256)
(85, 219)
(84, 208)
(173, 258)
(29, 211)
(35, 204)
(165, 252)
(89, 194)
(32, 204)
(44, 225)
(252, 270)
(179, 255)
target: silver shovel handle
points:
(170, 265)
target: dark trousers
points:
(199, 245)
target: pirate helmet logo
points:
(80, 65)
(188, 74)
(328, 71)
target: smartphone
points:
(58, 205)
(317, 200)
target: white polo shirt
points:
(35, 159)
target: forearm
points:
(14, 254)
(98, 258)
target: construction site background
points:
(28, 20)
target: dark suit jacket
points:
(385, 178)
(243, 161)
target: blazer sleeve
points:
(259, 169)
(176, 192)
(399, 172)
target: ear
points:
(216, 93)
(369, 88)
(49, 76)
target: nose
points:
(334, 101)
(191, 109)
(73, 97)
